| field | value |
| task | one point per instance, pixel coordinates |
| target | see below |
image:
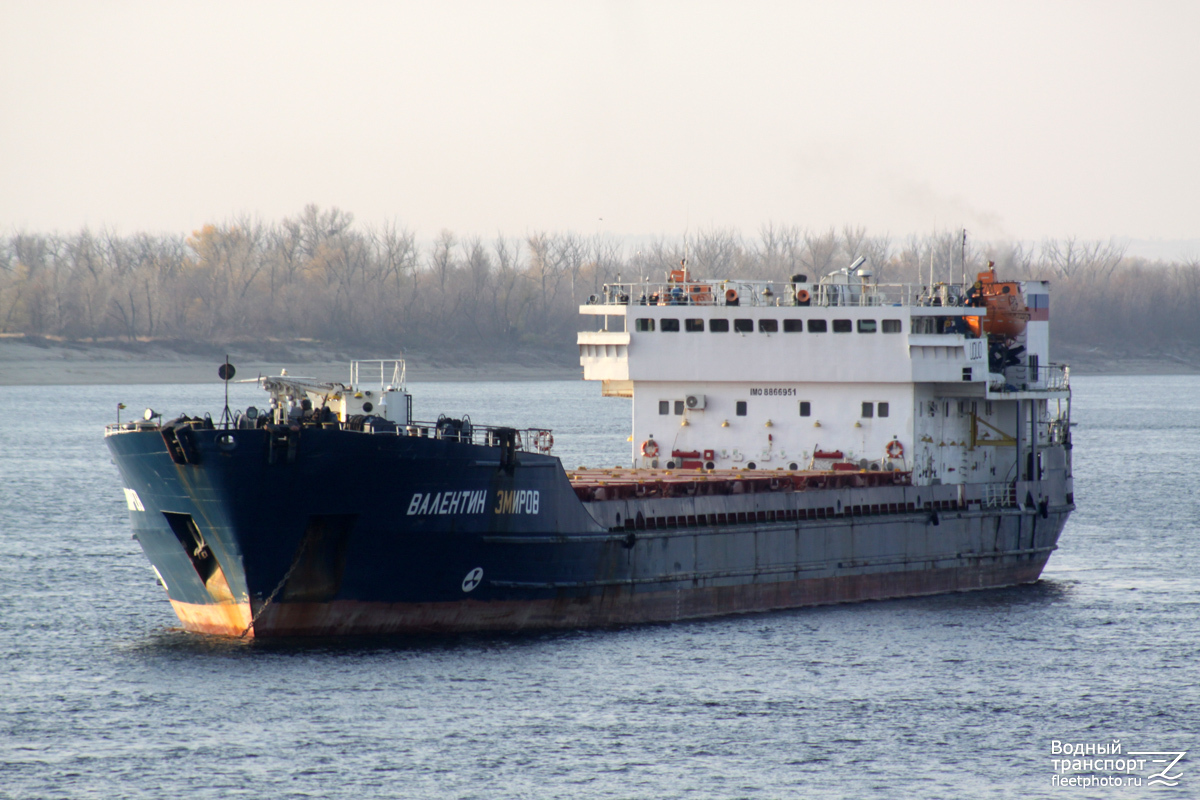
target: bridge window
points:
(743, 326)
(924, 325)
(642, 325)
(817, 326)
(679, 408)
(718, 326)
(664, 407)
(881, 409)
(793, 325)
(693, 325)
(839, 326)
(670, 326)
(866, 326)
(768, 326)
(805, 408)
(741, 408)
(891, 326)
(868, 410)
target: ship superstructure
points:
(952, 384)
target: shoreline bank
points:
(23, 363)
(37, 362)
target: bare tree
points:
(777, 254)
(853, 242)
(877, 250)
(717, 252)
(1071, 258)
(318, 275)
(818, 252)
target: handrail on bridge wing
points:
(390, 371)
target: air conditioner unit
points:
(695, 402)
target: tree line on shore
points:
(319, 276)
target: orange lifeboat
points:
(1006, 309)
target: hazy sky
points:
(1014, 119)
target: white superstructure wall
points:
(770, 424)
(871, 385)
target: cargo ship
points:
(793, 444)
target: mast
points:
(963, 258)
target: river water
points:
(956, 696)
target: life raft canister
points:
(650, 448)
(895, 449)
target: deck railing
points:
(770, 293)
(997, 495)
(1048, 378)
(389, 371)
(529, 440)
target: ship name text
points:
(469, 502)
(520, 501)
(517, 501)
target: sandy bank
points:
(39, 363)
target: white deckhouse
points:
(951, 383)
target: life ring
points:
(650, 448)
(544, 441)
(895, 449)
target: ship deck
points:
(622, 482)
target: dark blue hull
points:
(331, 531)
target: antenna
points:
(226, 372)
(963, 259)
